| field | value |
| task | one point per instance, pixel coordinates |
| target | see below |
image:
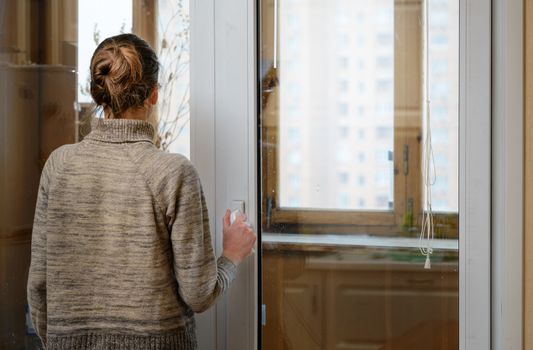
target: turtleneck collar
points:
(120, 130)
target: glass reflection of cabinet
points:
(37, 116)
(315, 303)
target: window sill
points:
(326, 242)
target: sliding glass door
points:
(362, 192)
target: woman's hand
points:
(238, 238)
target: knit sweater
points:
(121, 253)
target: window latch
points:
(405, 159)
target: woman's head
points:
(124, 72)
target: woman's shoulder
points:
(59, 155)
(172, 161)
(164, 165)
(167, 173)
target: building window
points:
(344, 132)
(342, 108)
(295, 181)
(343, 85)
(383, 132)
(343, 62)
(344, 178)
(294, 135)
(344, 201)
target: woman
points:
(121, 250)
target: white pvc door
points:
(302, 181)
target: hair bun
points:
(105, 68)
(124, 70)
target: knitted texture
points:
(121, 252)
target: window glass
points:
(367, 40)
(173, 45)
(342, 209)
(444, 107)
(94, 25)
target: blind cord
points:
(427, 232)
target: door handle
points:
(238, 206)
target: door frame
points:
(507, 172)
(223, 144)
(474, 174)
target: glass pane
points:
(336, 85)
(45, 49)
(173, 51)
(342, 191)
(444, 96)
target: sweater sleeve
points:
(36, 289)
(201, 277)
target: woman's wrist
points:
(231, 257)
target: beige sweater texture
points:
(121, 252)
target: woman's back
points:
(121, 251)
(122, 244)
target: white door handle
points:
(237, 206)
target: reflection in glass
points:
(444, 96)
(341, 186)
(326, 91)
(173, 44)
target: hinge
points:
(263, 314)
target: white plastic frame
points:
(223, 144)
(507, 170)
(474, 174)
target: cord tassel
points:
(427, 264)
(427, 232)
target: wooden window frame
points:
(408, 192)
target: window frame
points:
(407, 133)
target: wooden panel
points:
(57, 87)
(372, 305)
(14, 32)
(144, 20)
(407, 111)
(14, 265)
(303, 312)
(528, 176)
(378, 316)
(272, 285)
(60, 27)
(19, 148)
(333, 217)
